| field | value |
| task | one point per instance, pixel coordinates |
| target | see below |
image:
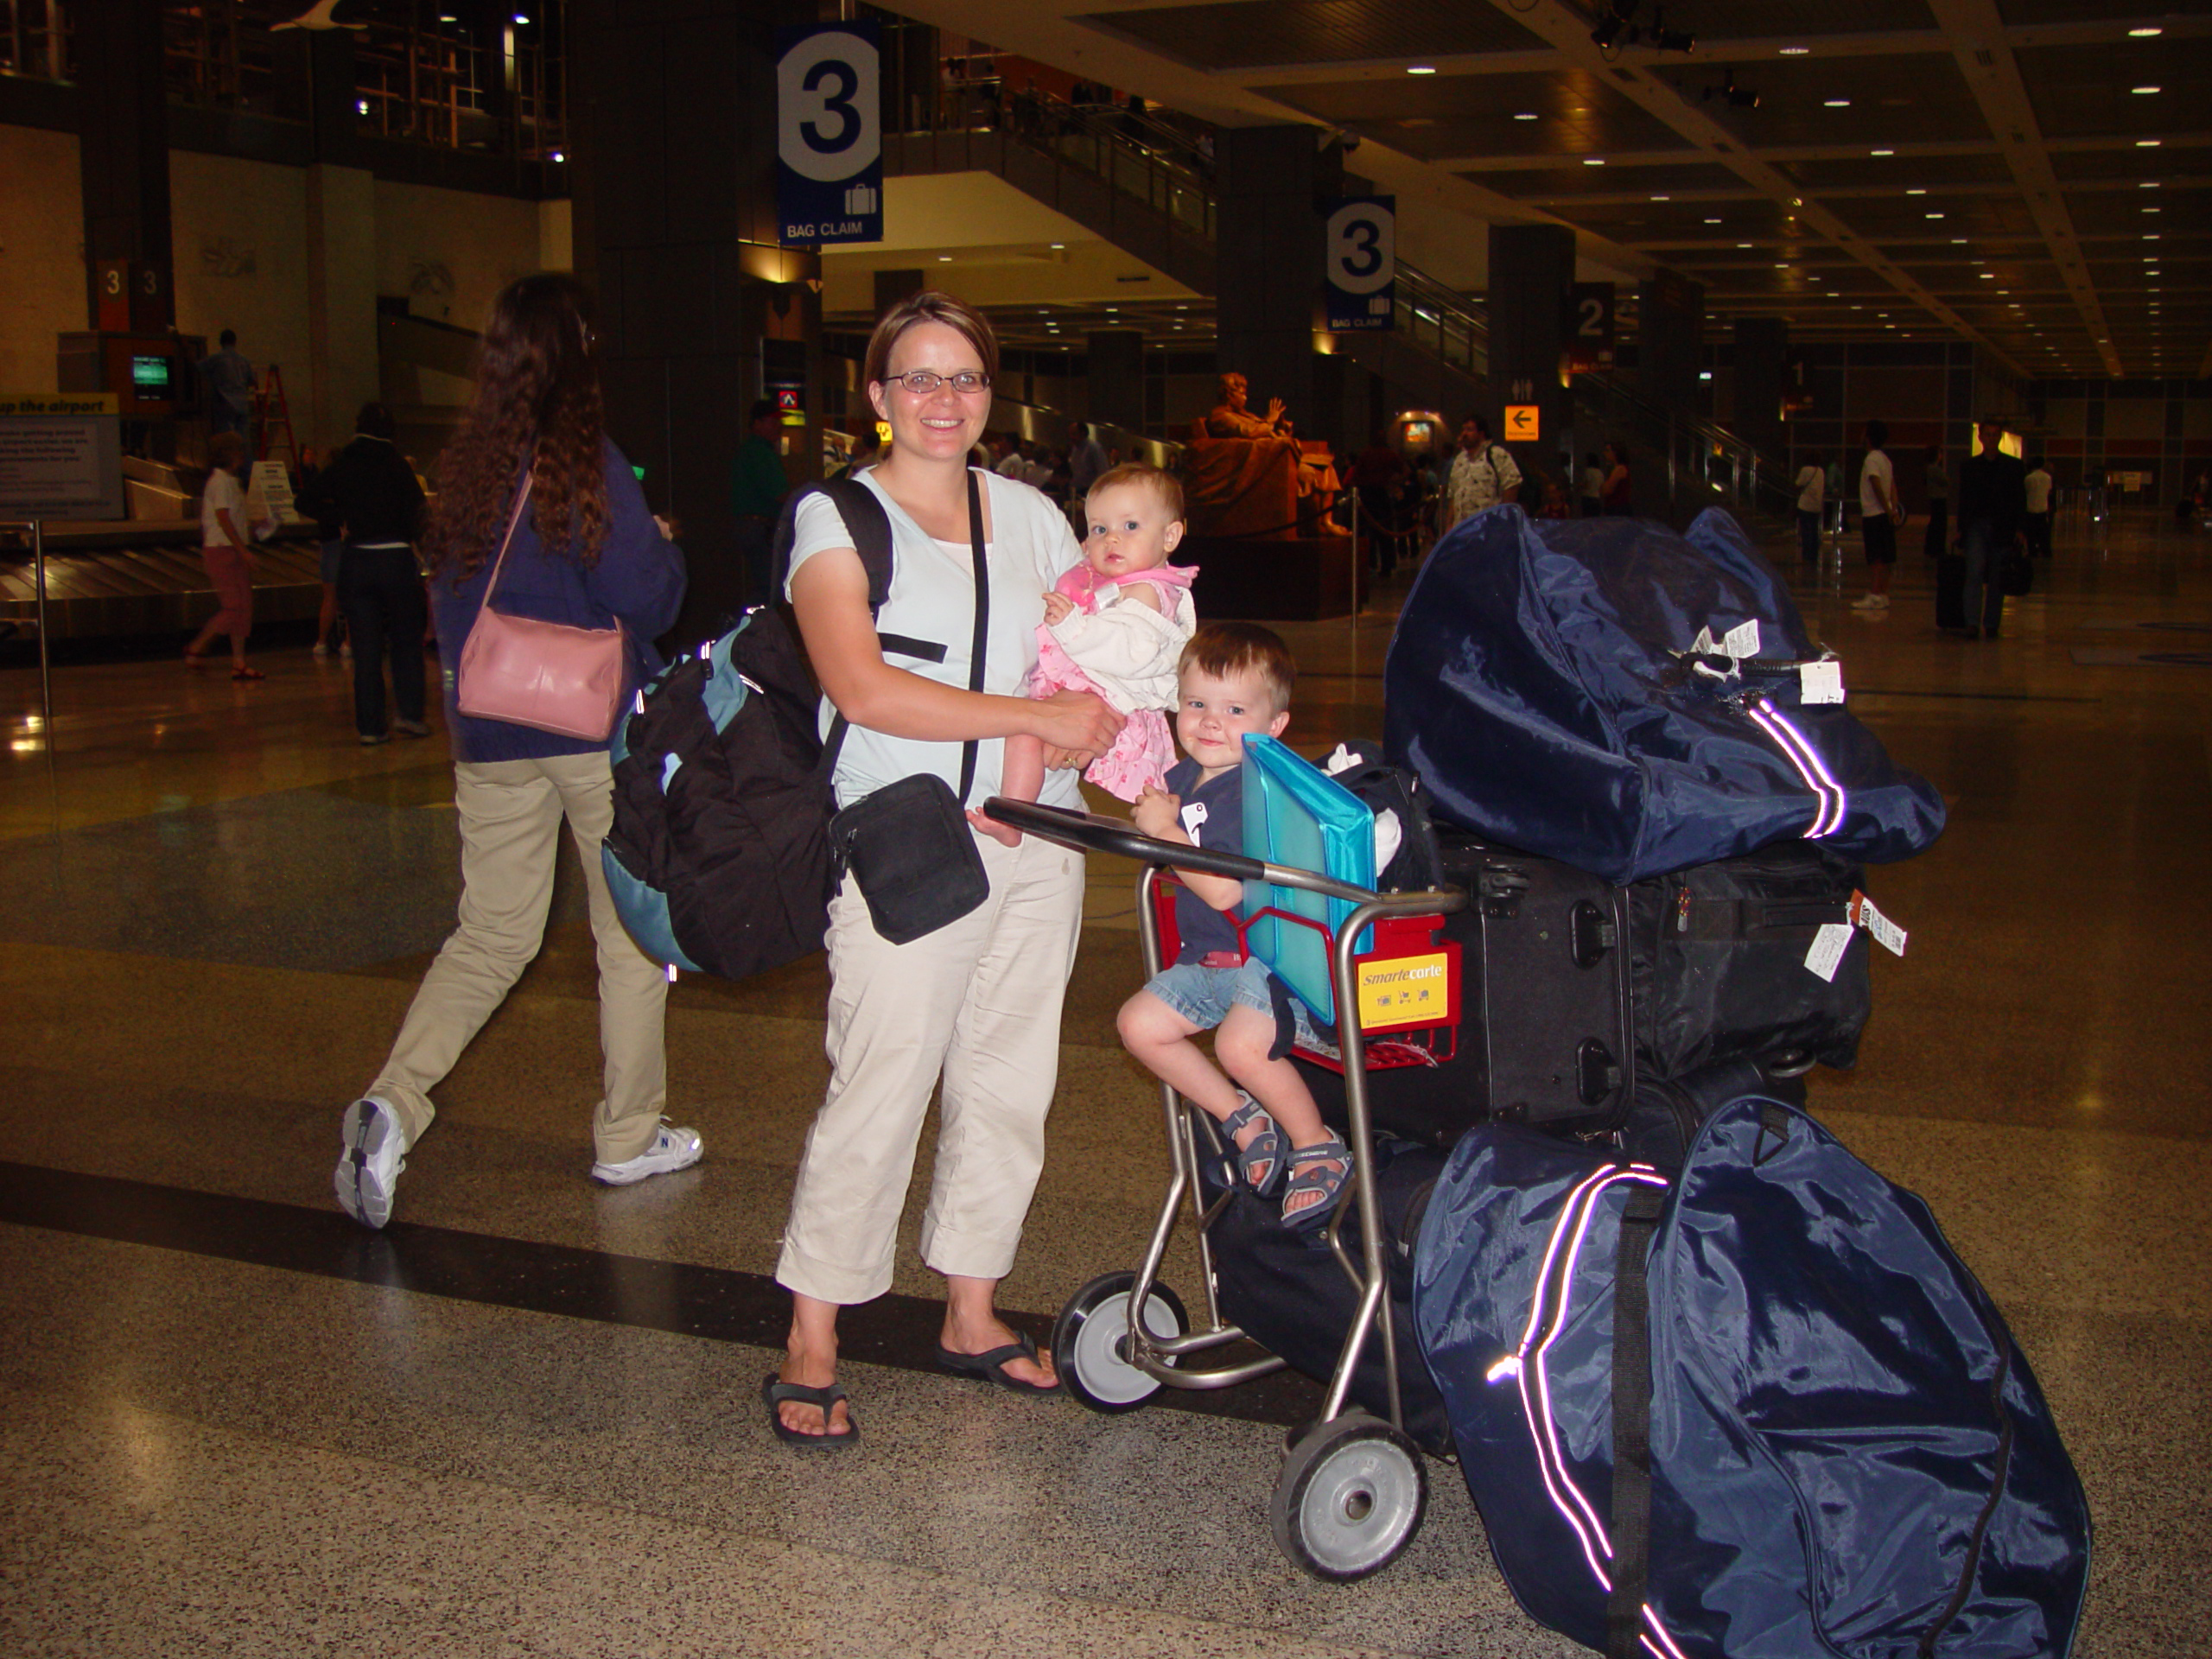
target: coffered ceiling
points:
(2035, 176)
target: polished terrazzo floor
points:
(526, 1420)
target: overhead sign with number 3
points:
(830, 135)
(1360, 262)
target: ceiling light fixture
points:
(1663, 198)
(1796, 51)
(1526, 114)
(1593, 161)
(1836, 104)
(2142, 91)
(1421, 68)
(2146, 143)
(2144, 34)
(1881, 152)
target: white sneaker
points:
(672, 1149)
(346, 650)
(321, 649)
(369, 1161)
(1870, 602)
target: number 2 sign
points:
(830, 135)
(1590, 326)
(1360, 262)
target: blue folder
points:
(1296, 814)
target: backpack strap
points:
(869, 526)
(1632, 1423)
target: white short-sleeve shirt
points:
(1873, 495)
(933, 598)
(223, 490)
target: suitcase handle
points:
(1090, 832)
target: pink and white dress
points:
(1127, 653)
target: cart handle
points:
(1089, 832)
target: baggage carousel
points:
(143, 574)
(112, 580)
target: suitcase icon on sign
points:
(862, 199)
(1379, 306)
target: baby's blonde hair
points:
(1164, 486)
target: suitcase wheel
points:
(1090, 1342)
(1349, 1498)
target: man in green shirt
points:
(757, 489)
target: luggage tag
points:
(1887, 933)
(1194, 814)
(1830, 941)
(1821, 682)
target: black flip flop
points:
(774, 1392)
(991, 1367)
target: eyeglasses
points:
(922, 382)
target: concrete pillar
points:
(1670, 341)
(1761, 361)
(1531, 268)
(1268, 264)
(122, 148)
(673, 170)
(1116, 378)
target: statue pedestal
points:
(1298, 579)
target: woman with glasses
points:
(975, 1005)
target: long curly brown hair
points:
(537, 405)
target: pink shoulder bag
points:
(545, 675)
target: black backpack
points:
(719, 858)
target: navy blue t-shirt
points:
(1204, 929)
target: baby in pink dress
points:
(1114, 624)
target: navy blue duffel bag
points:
(1759, 1411)
(1546, 685)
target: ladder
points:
(271, 411)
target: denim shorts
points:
(1205, 995)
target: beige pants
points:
(511, 813)
(977, 1002)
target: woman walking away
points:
(586, 553)
(371, 490)
(974, 1003)
(225, 549)
(1615, 494)
(1812, 488)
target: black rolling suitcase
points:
(1286, 1291)
(1545, 1035)
(1950, 590)
(1717, 959)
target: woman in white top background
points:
(1812, 494)
(976, 1003)
(226, 549)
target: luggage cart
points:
(1352, 1488)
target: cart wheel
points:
(1088, 1337)
(1349, 1498)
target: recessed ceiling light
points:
(1663, 198)
(2150, 238)
(1057, 246)
(1743, 244)
(2142, 91)
(2144, 34)
(1916, 193)
(1421, 68)
(1958, 241)
(1796, 51)
(1932, 215)
(2148, 184)
(1526, 114)
(1593, 161)
(1713, 221)
(1881, 152)
(1837, 104)
(2146, 143)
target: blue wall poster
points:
(830, 135)
(1360, 262)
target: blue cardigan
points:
(638, 579)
